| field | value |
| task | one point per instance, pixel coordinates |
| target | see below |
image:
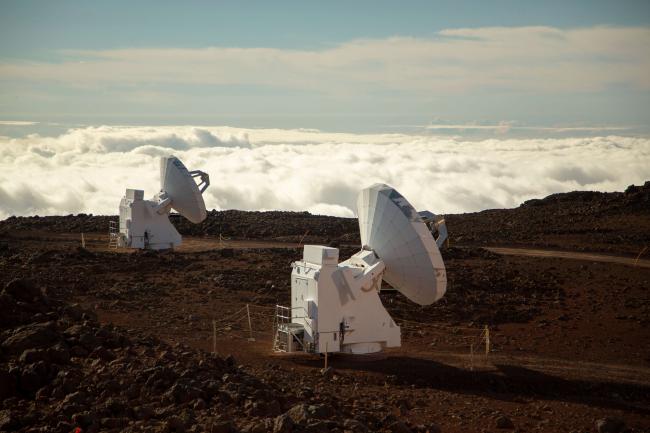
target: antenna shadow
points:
(507, 382)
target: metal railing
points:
(113, 234)
(284, 316)
(281, 321)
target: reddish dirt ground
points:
(569, 335)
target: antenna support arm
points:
(164, 203)
(205, 179)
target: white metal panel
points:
(320, 255)
(401, 240)
(363, 209)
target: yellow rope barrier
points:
(640, 254)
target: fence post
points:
(636, 262)
(326, 355)
(487, 341)
(302, 238)
(83, 241)
(214, 337)
(471, 357)
(250, 327)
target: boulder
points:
(263, 426)
(431, 428)
(143, 412)
(354, 426)
(504, 422)
(102, 353)
(199, 404)
(223, 427)
(78, 397)
(8, 383)
(114, 423)
(610, 425)
(283, 424)
(83, 419)
(59, 354)
(8, 421)
(399, 427)
(30, 379)
(321, 411)
(22, 290)
(78, 352)
(31, 356)
(317, 427)
(115, 406)
(180, 393)
(36, 335)
(174, 424)
(299, 414)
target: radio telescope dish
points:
(394, 230)
(335, 307)
(185, 194)
(145, 223)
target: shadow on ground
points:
(506, 382)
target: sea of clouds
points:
(87, 169)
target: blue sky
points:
(33, 29)
(330, 65)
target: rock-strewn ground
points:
(113, 341)
(616, 222)
(61, 369)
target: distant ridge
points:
(579, 220)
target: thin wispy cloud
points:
(542, 75)
(530, 59)
(16, 123)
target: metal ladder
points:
(285, 332)
(280, 341)
(284, 335)
(282, 317)
(113, 234)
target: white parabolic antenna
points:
(394, 230)
(145, 223)
(179, 184)
(335, 307)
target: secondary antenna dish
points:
(394, 230)
(335, 307)
(436, 226)
(145, 223)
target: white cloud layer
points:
(87, 169)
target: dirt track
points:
(99, 242)
(643, 263)
(205, 244)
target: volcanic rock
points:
(610, 425)
(31, 336)
(504, 422)
(283, 424)
(22, 290)
(399, 427)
